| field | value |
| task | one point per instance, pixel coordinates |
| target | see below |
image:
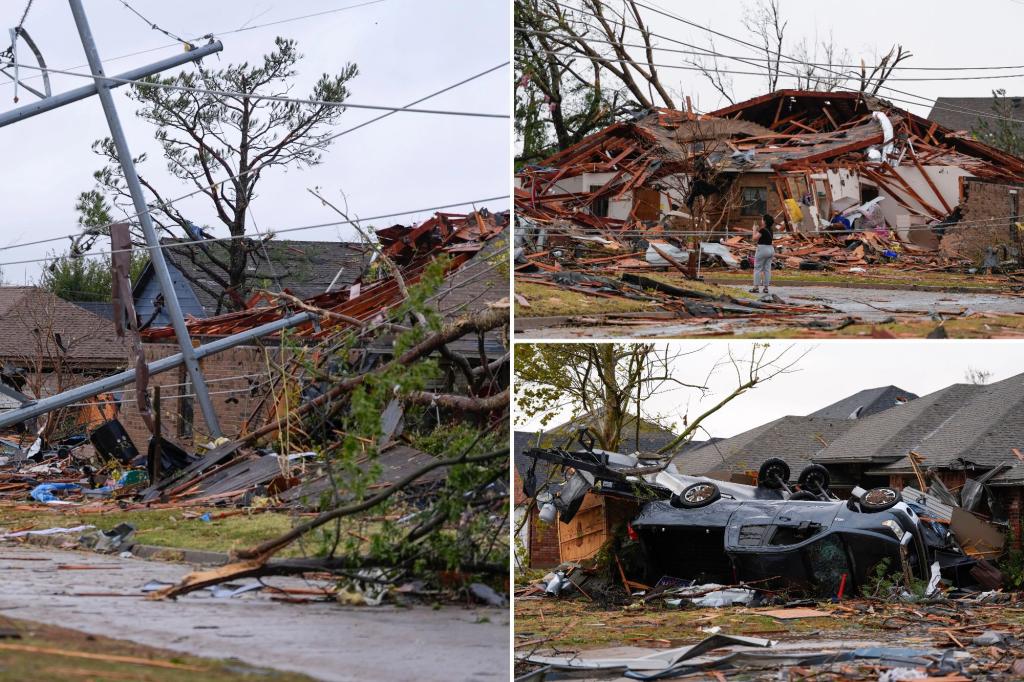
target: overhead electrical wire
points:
(926, 100)
(153, 24)
(748, 44)
(242, 29)
(335, 223)
(253, 96)
(258, 167)
(705, 52)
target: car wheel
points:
(696, 496)
(804, 495)
(814, 479)
(879, 499)
(774, 473)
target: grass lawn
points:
(577, 624)
(47, 652)
(548, 301)
(165, 527)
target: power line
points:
(263, 165)
(336, 223)
(704, 52)
(791, 74)
(227, 32)
(837, 73)
(253, 96)
(153, 25)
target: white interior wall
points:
(945, 178)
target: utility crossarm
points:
(57, 101)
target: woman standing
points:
(764, 254)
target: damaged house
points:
(952, 458)
(820, 162)
(302, 268)
(242, 378)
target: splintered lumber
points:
(106, 658)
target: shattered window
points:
(754, 201)
(752, 535)
(791, 535)
(828, 563)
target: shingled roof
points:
(304, 268)
(892, 434)
(88, 340)
(866, 403)
(983, 431)
(793, 439)
(966, 113)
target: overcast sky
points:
(828, 372)
(941, 33)
(867, 29)
(405, 49)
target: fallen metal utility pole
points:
(156, 254)
(36, 408)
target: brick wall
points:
(237, 382)
(985, 201)
(543, 543)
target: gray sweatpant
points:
(763, 264)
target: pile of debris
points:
(346, 343)
(855, 184)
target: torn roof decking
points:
(788, 130)
(464, 238)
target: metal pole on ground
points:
(156, 254)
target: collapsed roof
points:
(473, 278)
(786, 130)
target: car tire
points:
(696, 496)
(773, 474)
(814, 479)
(879, 499)
(804, 495)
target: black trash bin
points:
(112, 441)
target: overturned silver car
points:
(798, 537)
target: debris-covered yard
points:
(875, 538)
(951, 639)
(864, 195)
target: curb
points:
(934, 288)
(139, 551)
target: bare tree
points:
(592, 31)
(764, 21)
(872, 82)
(819, 65)
(604, 385)
(824, 70)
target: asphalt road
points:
(324, 640)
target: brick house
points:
(243, 380)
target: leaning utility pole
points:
(156, 253)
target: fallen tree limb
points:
(459, 402)
(251, 562)
(484, 321)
